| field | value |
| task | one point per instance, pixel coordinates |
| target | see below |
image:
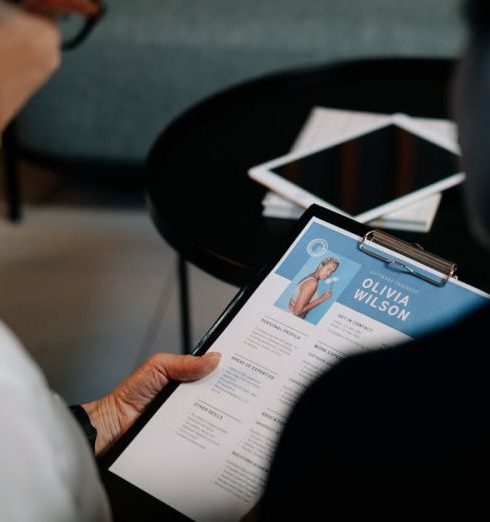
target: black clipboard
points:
(130, 503)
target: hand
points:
(326, 295)
(114, 413)
(29, 54)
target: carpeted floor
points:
(92, 290)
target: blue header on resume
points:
(376, 289)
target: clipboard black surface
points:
(131, 503)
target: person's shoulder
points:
(16, 366)
(56, 472)
(309, 282)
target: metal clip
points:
(415, 252)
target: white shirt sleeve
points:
(47, 470)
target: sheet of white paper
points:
(322, 125)
(418, 217)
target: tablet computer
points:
(202, 450)
(368, 173)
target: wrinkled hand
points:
(114, 413)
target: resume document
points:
(207, 450)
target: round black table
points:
(206, 207)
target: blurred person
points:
(402, 433)
(47, 469)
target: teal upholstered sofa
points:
(151, 59)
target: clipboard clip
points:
(445, 269)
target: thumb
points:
(114, 413)
(142, 385)
(185, 367)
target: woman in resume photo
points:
(306, 296)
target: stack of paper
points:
(324, 124)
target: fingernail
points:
(212, 355)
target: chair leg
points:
(11, 173)
(185, 312)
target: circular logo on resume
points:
(317, 247)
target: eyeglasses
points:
(76, 18)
